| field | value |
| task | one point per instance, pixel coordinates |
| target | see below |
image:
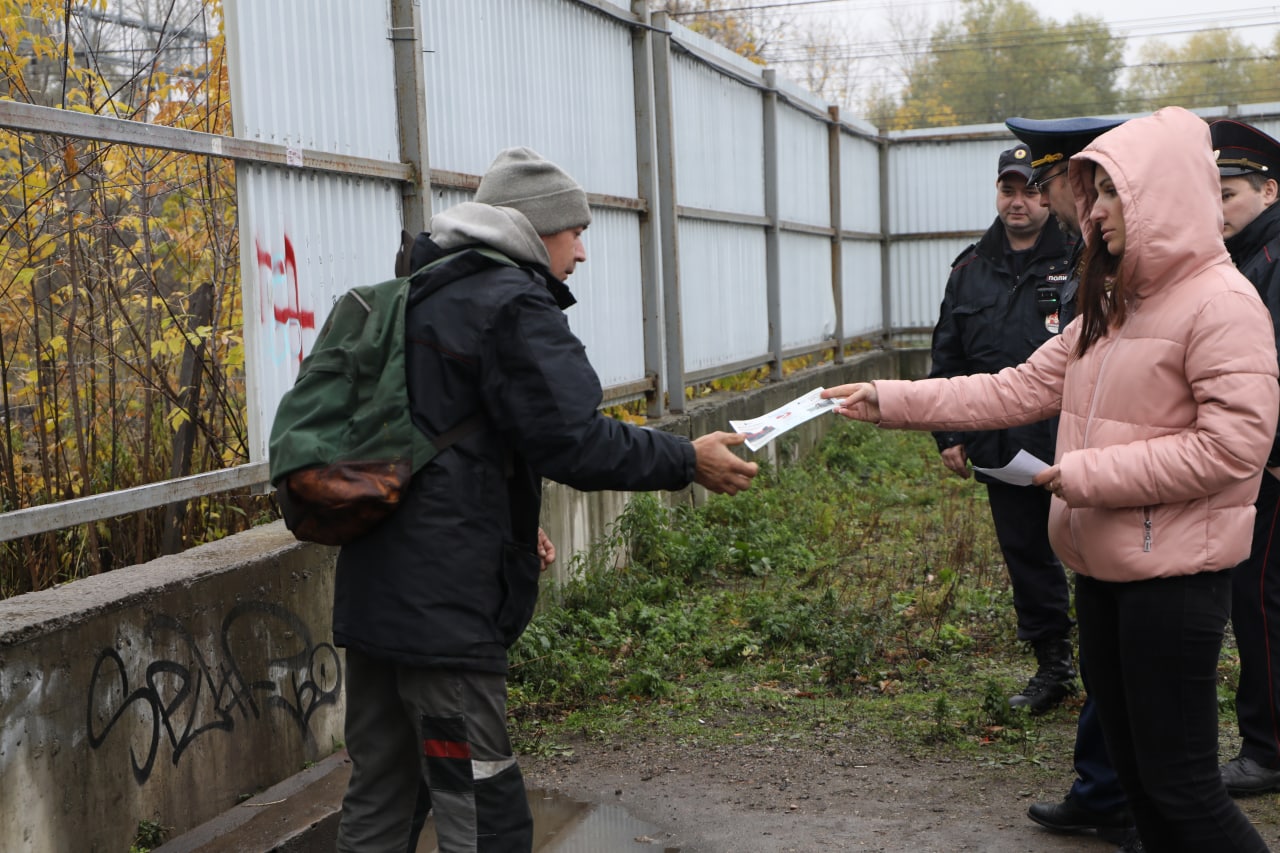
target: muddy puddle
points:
(563, 825)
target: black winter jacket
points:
(451, 578)
(990, 320)
(1256, 251)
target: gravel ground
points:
(834, 795)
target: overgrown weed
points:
(860, 592)
(859, 584)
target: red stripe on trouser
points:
(446, 749)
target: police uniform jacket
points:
(990, 320)
(451, 578)
(1256, 253)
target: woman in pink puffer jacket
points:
(1166, 387)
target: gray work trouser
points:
(430, 738)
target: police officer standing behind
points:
(1248, 164)
(1002, 301)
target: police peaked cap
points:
(1053, 141)
(1240, 149)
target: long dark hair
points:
(1103, 298)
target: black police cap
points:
(1240, 149)
(1016, 161)
(1055, 140)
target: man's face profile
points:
(566, 251)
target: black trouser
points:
(1255, 617)
(1149, 653)
(1095, 786)
(1041, 594)
(406, 726)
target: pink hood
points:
(1173, 225)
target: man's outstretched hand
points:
(718, 468)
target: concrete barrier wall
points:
(165, 691)
(169, 691)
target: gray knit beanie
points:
(550, 199)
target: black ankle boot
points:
(1055, 679)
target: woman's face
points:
(1106, 212)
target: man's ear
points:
(405, 251)
(1270, 192)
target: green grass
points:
(859, 594)
(863, 584)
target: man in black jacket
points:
(1248, 163)
(1002, 302)
(427, 604)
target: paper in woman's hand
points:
(764, 429)
(1018, 472)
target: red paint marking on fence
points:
(290, 312)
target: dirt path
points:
(820, 797)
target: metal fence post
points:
(190, 382)
(886, 291)
(772, 264)
(647, 189)
(837, 239)
(411, 112)
(668, 225)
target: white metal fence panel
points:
(443, 199)
(609, 316)
(547, 74)
(722, 294)
(943, 186)
(862, 293)
(859, 184)
(493, 82)
(919, 278)
(808, 305)
(804, 182)
(314, 74)
(719, 133)
(305, 240)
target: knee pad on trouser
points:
(479, 805)
(504, 822)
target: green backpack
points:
(343, 444)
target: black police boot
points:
(1055, 679)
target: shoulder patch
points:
(968, 250)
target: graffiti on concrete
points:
(267, 663)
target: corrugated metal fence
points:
(738, 220)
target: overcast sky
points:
(864, 29)
(1168, 20)
(1173, 19)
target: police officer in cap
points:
(1096, 801)
(1249, 165)
(1002, 301)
